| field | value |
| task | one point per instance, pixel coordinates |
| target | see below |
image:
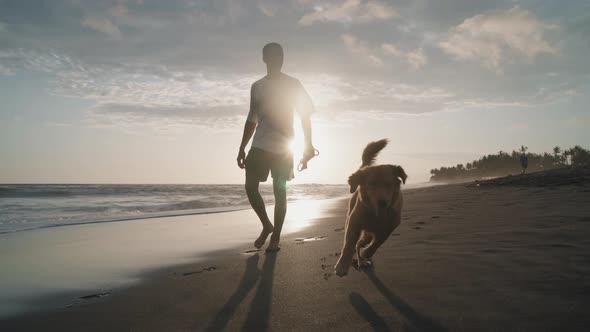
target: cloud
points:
(187, 63)
(268, 9)
(6, 68)
(119, 9)
(416, 58)
(5, 71)
(360, 48)
(390, 49)
(497, 36)
(141, 91)
(102, 25)
(164, 117)
(349, 11)
(141, 94)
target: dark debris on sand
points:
(94, 296)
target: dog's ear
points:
(355, 180)
(398, 172)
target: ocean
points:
(32, 206)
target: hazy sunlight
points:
(297, 145)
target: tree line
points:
(504, 163)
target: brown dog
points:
(374, 210)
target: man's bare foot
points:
(263, 235)
(273, 245)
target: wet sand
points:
(465, 258)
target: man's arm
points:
(305, 109)
(306, 126)
(249, 128)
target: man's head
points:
(272, 55)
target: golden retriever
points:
(374, 210)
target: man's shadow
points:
(259, 313)
(413, 317)
(249, 279)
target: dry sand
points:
(465, 258)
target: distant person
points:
(273, 100)
(524, 162)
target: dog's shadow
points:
(367, 312)
(415, 319)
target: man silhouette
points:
(273, 100)
(524, 161)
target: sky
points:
(143, 91)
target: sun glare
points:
(297, 145)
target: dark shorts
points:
(260, 162)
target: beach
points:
(465, 258)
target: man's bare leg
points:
(258, 205)
(280, 192)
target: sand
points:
(465, 258)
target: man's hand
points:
(241, 159)
(309, 151)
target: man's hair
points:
(272, 50)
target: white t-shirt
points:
(272, 105)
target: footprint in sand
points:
(251, 251)
(207, 269)
(337, 254)
(323, 259)
(417, 227)
(339, 229)
(326, 266)
(420, 222)
(87, 298)
(327, 276)
(435, 217)
(395, 234)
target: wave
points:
(140, 216)
(26, 207)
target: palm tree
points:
(556, 155)
(524, 160)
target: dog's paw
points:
(342, 267)
(365, 263)
(364, 255)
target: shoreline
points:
(463, 259)
(103, 275)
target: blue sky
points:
(145, 91)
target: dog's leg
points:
(366, 238)
(353, 232)
(378, 240)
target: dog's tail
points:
(372, 150)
